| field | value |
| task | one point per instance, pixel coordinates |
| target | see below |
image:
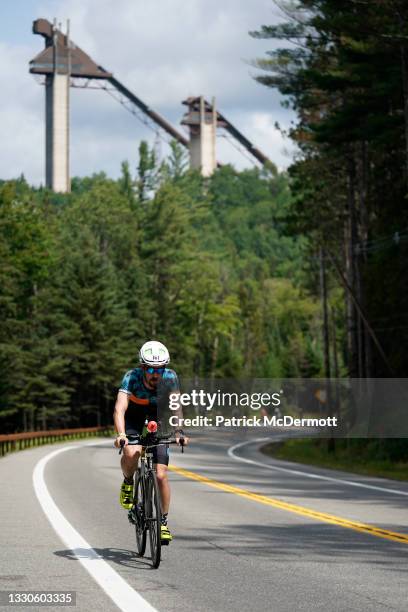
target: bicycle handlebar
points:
(162, 440)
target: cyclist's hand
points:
(118, 441)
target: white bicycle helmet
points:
(154, 353)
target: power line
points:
(374, 246)
(381, 243)
(138, 114)
(390, 328)
(238, 148)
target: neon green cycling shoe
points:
(126, 495)
(165, 535)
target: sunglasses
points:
(151, 370)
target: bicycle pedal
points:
(131, 517)
(165, 542)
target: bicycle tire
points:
(140, 515)
(153, 515)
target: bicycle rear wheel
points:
(140, 514)
(153, 516)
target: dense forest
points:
(254, 273)
(343, 67)
(206, 266)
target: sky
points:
(163, 51)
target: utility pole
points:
(326, 345)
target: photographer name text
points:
(253, 421)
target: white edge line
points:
(267, 466)
(120, 592)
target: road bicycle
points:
(145, 513)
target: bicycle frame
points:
(146, 510)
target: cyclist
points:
(137, 400)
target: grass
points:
(314, 452)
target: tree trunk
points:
(325, 328)
(214, 356)
(350, 242)
(335, 365)
(404, 69)
(326, 346)
(31, 419)
(44, 418)
(361, 260)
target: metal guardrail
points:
(19, 441)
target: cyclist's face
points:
(153, 375)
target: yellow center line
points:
(276, 503)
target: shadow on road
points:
(300, 543)
(125, 558)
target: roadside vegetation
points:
(371, 458)
(343, 67)
(87, 277)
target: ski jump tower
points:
(60, 60)
(202, 122)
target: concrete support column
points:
(202, 122)
(57, 132)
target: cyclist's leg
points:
(130, 459)
(129, 462)
(161, 460)
(164, 487)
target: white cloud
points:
(164, 51)
(21, 117)
(263, 133)
(270, 139)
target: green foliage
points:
(384, 458)
(208, 267)
(346, 77)
(345, 74)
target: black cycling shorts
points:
(161, 453)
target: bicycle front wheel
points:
(153, 516)
(140, 514)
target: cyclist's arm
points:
(121, 406)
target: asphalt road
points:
(232, 549)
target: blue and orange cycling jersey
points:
(145, 403)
